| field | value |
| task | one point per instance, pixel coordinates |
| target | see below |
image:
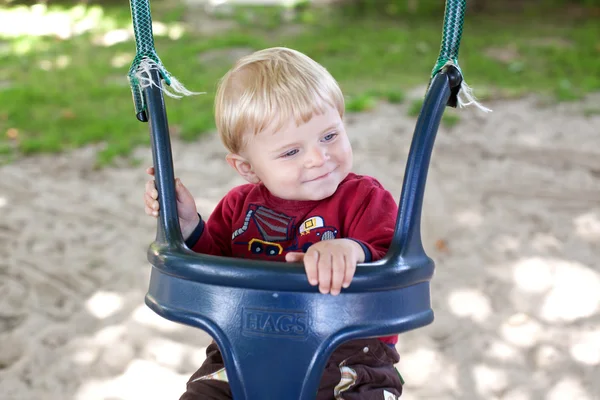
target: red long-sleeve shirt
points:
(249, 222)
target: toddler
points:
(279, 114)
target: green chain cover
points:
(452, 32)
(144, 44)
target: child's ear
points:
(243, 167)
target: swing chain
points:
(454, 17)
(461, 94)
(146, 59)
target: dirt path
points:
(512, 219)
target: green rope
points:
(453, 26)
(146, 58)
(454, 18)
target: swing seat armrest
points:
(386, 274)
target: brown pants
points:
(357, 370)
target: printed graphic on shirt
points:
(269, 233)
(313, 230)
(266, 230)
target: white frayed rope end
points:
(465, 95)
(177, 90)
(466, 98)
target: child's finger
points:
(349, 272)
(294, 257)
(151, 212)
(311, 258)
(338, 269)
(150, 171)
(151, 189)
(151, 203)
(324, 268)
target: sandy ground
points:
(512, 219)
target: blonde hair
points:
(269, 88)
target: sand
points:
(511, 218)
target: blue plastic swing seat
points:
(275, 331)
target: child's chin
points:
(322, 194)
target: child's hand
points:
(186, 206)
(330, 263)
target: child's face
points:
(305, 162)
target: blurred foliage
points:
(394, 8)
(63, 67)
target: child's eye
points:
(290, 153)
(329, 137)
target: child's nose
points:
(316, 157)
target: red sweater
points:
(249, 222)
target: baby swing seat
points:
(276, 331)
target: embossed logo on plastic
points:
(270, 322)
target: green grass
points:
(58, 94)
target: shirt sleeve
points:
(372, 221)
(214, 236)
